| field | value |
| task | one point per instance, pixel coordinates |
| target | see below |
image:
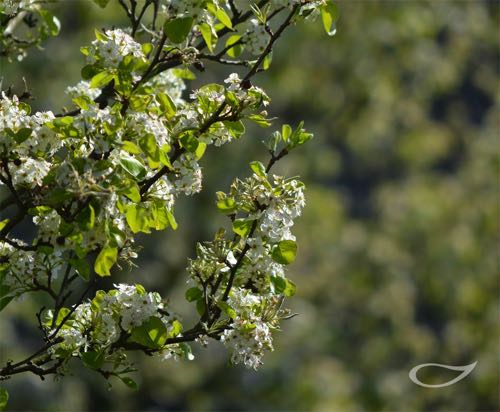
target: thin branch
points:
(269, 46)
(72, 310)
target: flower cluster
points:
(111, 47)
(180, 8)
(125, 313)
(24, 24)
(245, 277)
(92, 178)
(263, 214)
(24, 270)
(250, 334)
(12, 7)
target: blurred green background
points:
(398, 261)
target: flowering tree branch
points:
(92, 178)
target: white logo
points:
(465, 371)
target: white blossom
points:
(113, 48)
(83, 89)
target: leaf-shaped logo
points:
(466, 369)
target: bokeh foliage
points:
(397, 260)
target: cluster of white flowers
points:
(39, 141)
(11, 7)
(164, 190)
(131, 304)
(83, 88)
(259, 265)
(272, 210)
(95, 177)
(167, 80)
(250, 334)
(111, 48)
(102, 321)
(282, 209)
(256, 37)
(188, 175)
(180, 8)
(208, 99)
(12, 114)
(141, 123)
(27, 268)
(27, 142)
(279, 204)
(29, 172)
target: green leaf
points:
(86, 218)
(167, 105)
(4, 398)
(101, 3)
(208, 36)
(329, 16)
(164, 150)
(186, 350)
(260, 120)
(137, 218)
(83, 102)
(141, 290)
(228, 310)
(51, 21)
(259, 169)
(99, 35)
(159, 219)
(99, 297)
(132, 192)
(116, 237)
(267, 61)
(283, 286)
(93, 359)
(105, 260)
(200, 150)
(129, 382)
(242, 227)
(138, 102)
(101, 79)
(178, 29)
(224, 18)
(152, 333)
(176, 329)
(23, 134)
(235, 128)
(61, 315)
(185, 74)
(82, 268)
(285, 252)
(57, 196)
(171, 220)
(147, 48)
(286, 132)
(38, 211)
(133, 166)
(65, 228)
(193, 294)
(149, 146)
(200, 307)
(226, 205)
(236, 50)
(3, 223)
(299, 136)
(131, 147)
(189, 142)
